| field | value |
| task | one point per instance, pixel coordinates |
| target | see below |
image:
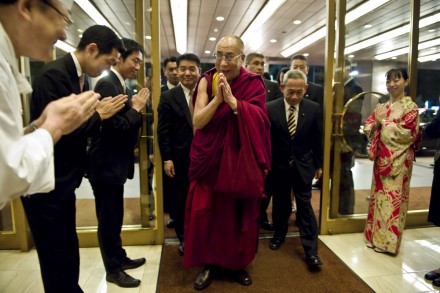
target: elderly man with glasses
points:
(222, 208)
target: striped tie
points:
(291, 122)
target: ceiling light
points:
(207, 52)
(368, 25)
(273, 41)
(64, 46)
(351, 16)
(431, 30)
(253, 32)
(148, 37)
(394, 58)
(220, 18)
(363, 9)
(305, 42)
(426, 58)
(425, 45)
(297, 22)
(94, 14)
(351, 56)
(391, 34)
(179, 12)
(212, 39)
(216, 30)
(306, 54)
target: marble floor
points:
(420, 253)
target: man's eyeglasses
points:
(227, 57)
(63, 15)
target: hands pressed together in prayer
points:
(380, 113)
(224, 92)
(140, 99)
(110, 106)
(64, 115)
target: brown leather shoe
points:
(204, 278)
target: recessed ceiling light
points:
(80, 30)
(220, 18)
(306, 54)
(297, 21)
(431, 30)
(207, 52)
(273, 41)
(393, 58)
(212, 39)
(216, 30)
(80, 36)
(368, 25)
(351, 56)
(148, 37)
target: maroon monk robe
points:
(220, 230)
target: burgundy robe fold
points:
(220, 230)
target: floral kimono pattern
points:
(392, 149)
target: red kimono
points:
(219, 229)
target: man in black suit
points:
(111, 162)
(170, 72)
(352, 121)
(296, 136)
(172, 80)
(255, 64)
(315, 92)
(175, 134)
(51, 216)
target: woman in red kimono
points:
(393, 130)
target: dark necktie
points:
(291, 122)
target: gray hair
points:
(294, 74)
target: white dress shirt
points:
(26, 161)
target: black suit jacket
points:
(111, 152)
(174, 129)
(315, 93)
(55, 80)
(273, 91)
(306, 148)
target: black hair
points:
(189, 57)
(399, 73)
(104, 37)
(299, 57)
(282, 70)
(251, 56)
(169, 59)
(130, 47)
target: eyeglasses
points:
(227, 57)
(63, 15)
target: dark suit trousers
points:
(268, 191)
(346, 185)
(53, 228)
(283, 182)
(179, 188)
(110, 213)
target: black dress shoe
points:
(133, 263)
(170, 223)
(181, 249)
(436, 282)
(275, 243)
(242, 277)
(432, 275)
(313, 261)
(266, 225)
(122, 279)
(204, 278)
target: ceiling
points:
(238, 14)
